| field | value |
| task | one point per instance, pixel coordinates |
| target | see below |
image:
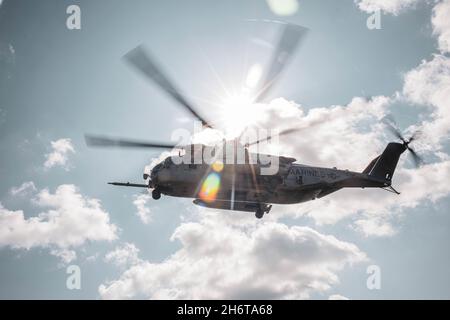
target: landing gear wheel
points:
(259, 213)
(156, 194)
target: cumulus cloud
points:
(71, 219)
(238, 261)
(343, 136)
(441, 24)
(66, 255)
(60, 152)
(394, 7)
(25, 188)
(429, 85)
(143, 212)
(124, 255)
(426, 86)
(374, 227)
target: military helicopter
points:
(242, 186)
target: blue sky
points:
(58, 84)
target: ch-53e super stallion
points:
(242, 186)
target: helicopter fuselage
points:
(244, 184)
(245, 187)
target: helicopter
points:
(243, 185)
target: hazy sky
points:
(56, 209)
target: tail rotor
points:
(389, 122)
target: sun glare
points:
(237, 112)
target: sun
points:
(237, 112)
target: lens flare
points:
(217, 166)
(210, 188)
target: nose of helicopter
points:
(154, 172)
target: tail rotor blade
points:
(390, 124)
(416, 135)
(416, 158)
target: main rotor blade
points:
(282, 133)
(142, 61)
(289, 40)
(103, 141)
(289, 131)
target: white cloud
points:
(70, 221)
(26, 188)
(441, 24)
(237, 261)
(59, 156)
(394, 7)
(124, 255)
(374, 227)
(66, 255)
(143, 212)
(328, 135)
(429, 84)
